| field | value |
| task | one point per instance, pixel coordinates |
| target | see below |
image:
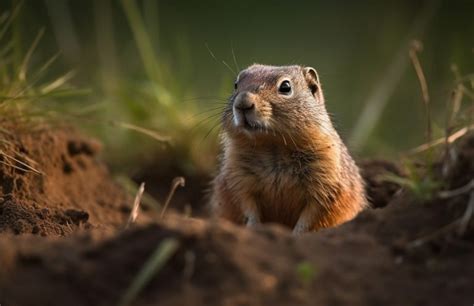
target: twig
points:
(461, 224)
(467, 217)
(177, 181)
(136, 205)
(456, 192)
(420, 241)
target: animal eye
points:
(235, 85)
(285, 87)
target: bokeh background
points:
(168, 66)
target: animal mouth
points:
(242, 121)
(248, 122)
(250, 125)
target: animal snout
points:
(245, 112)
(244, 103)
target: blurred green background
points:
(166, 65)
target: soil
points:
(62, 240)
(73, 189)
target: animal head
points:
(270, 100)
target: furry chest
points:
(279, 187)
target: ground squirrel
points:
(282, 160)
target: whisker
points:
(225, 116)
(204, 122)
(207, 119)
(220, 108)
(210, 52)
(214, 57)
(233, 56)
(227, 65)
(208, 133)
(272, 122)
(206, 98)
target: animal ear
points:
(312, 79)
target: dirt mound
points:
(411, 251)
(215, 265)
(369, 261)
(51, 183)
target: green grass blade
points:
(9, 21)
(31, 50)
(153, 265)
(143, 40)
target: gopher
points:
(282, 160)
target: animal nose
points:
(244, 104)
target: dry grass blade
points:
(153, 265)
(60, 81)
(14, 166)
(455, 101)
(17, 153)
(415, 48)
(28, 159)
(136, 205)
(458, 134)
(132, 188)
(177, 181)
(142, 130)
(28, 167)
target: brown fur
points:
(286, 164)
